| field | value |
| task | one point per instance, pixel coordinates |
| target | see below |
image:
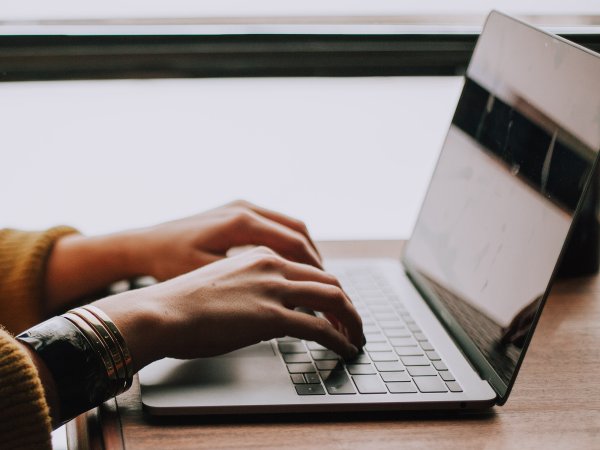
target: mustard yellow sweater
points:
(24, 414)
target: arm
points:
(80, 266)
(24, 414)
(255, 293)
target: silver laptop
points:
(448, 327)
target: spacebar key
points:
(369, 384)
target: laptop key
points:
(298, 378)
(301, 368)
(382, 315)
(389, 366)
(453, 386)
(432, 355)
(370, 329)
(387, 324)
(413, 327)
(375, 337)
(292, 347)
(369, 384)
(414, 361)
(378, 347)
(390, 377)
(361, 358)
(421, 371)
(338, 383)
(403, 342)
(397, 332)
(383, 356)
(430, 384)
(328, 364)
(425, 345)
(296, 358)
(401, 388)
(439, 365)
(420, 336)
(446, 375)
(409, 351)
(309, 389)
(324, 354)
(314, 346)
(312, 378)
(288, 339)
(360, 369)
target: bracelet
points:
(112, 328)
(86, 355)
(78, 371)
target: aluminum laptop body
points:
(448, 327)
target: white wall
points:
(350, 156)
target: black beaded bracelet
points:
(80, 376)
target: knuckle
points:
(243, 217)
(239, 203)
(332, 279)
(322, 326)
(269, 262)
(263, 250)
(273, 287)
(335, 293)
(302, 226)
(300, 244)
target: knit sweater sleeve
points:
(24, 414)
(23, 259)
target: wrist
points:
(79, 378)
(80, 266)
(140, 322)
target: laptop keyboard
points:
(398, 357)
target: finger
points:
(282, 219)
(294, 271)
(258, 230)
(328, 299)
(311, 328)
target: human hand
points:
(81, 265)
(233, 303)
(177, 247)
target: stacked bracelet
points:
(87, 356)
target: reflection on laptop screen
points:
(511, 174)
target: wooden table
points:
(555, 402)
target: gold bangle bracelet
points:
(109, 341)
(118, 337)
(98, 345)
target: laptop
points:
(448, 326)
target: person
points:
(205, 303)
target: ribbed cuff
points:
(24, 415)
(23, 262)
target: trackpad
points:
(220, 379)
(262, 349)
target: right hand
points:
(233, 303)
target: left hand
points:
(79, 265)
(174, 248)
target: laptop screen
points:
(511, 174)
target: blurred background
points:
(350, 156)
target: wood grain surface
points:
(555, 403)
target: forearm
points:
(80, 266)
